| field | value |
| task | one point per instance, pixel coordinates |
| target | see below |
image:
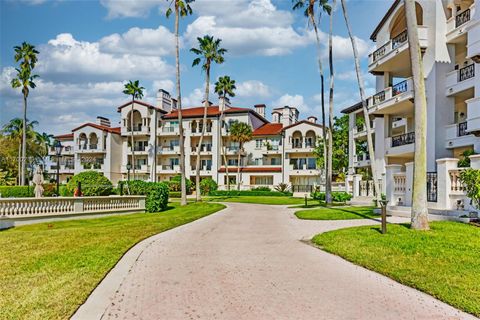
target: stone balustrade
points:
(61, 206)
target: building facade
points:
(281, 150)
(449, 36)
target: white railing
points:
(61, 206)
(399, 183)
(456, 184)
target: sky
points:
(90, 49)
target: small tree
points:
(240, 132)
(471, 181)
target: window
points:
(258, 143)
(258, 161)
(232, 162)
(311, 163)
(261, 180)
(276, 161)
(206, 164)
(232, 179)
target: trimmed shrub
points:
(336, 196)
(156, 192)
(208, 185)
(235, 193)
(175, 194)
(16, 191)
(93, 184)
(175, 184)
(261, 189)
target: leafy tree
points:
(93, 183)
(465, 160)
(26, 54)
(224, 87)
(133, 89)
(471, 180)
(208, 185)
(208, 52)
(240, 132)
(182, 9)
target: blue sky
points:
(88, 49)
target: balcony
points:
(460, 80)
(138, 130)
(232, 150)
(89, 148)
(457, 25)
(304, 169)
(393, 100)
(400, 145)
(169, 150)
(361, 160)
(360, 131)
(93, 166)
(272, 149)
(168, 169)
(204, 170)
(138, 150)
(169, 131)
(205, 149)
(457, 136)
(139, 168)
(299, 147)
(198, 132)
(473, 115)
(394, 56)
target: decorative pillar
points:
(409, 183)
(390, 182)
(356, 184)
(475, 161)
(444, 183)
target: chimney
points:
(312, 119)
(260, 109)
(276, 117)
(164, 101)
(223, 103)
(103, 121)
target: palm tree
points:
(28, 56)
(209, 51)
(328, 186)
(419, 197)
(182, 9)
(240, 132)
(310, 15)
(45, 139)
(361, 88)
(14, 130)
(133, 88)
(224, 87)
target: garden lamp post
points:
(129, 166)
(58, 152)
(383, 204)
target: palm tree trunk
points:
(200, 141)
(222, 148)
(322, 93)
(419, 192)
(238, 166)
(328, 187)
(183, 186)
(361, 88)
(24, 140)
(132, 141)
(19, 162)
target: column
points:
(409, 183)
(356, 184)
(390, 182)
(444, 183)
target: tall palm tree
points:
(328, 186)
(240, 132)
(309, 13)
(419, 198)
(46, 140)
(209, 51)
(27, 54)
(14, 130)
(361, 88)
(182, 9)
(224, 87)
(133, 88)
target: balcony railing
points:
(400, 87)
(399, 40)
(403, 139)
(169, 129)
(466, 72)
(93, 146)
(297, 145)
(379, 97)
(138, 148)
(135, 128)
(462, 129)
(462, 18)
(380, 52)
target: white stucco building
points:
(449, 34)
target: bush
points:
(235, 193)
(282, 187)
(16, 191)
(93, 183)
(207, 186)
(261, 189)
(471, 180)
(156, 193)
(175, 184)
(175, 194)
(336, 196)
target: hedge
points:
(175, 194)
(336, 196)
(17, 191)
(93, 183)
(156, 192)
(236, 193)
(208, 185)
(175, 185)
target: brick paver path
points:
(247, 262)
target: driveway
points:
(247, 262)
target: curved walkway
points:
(246, 262)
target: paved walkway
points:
(246, 262)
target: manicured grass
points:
(337, 213)
(258, 200)
(49, 269)
(443, 262)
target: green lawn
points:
(49, 269)
(258, 200)
(443, 262)
(337, 213)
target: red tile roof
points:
(268, 129)
(100, 127)
(148, 105)
(64, 136)
(211, 111)
(252, 169)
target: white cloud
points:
(253, 88)
(296, 101)
(131, 8)
(166, 85)
(148, 42)
(195, 98)
(68, 60)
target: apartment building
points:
(449, 35)
(65, 163)
(281, 151)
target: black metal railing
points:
(432, 183)
(399, 40)
(139, 148)
(462, 18)
(380, 52)
(302, 188)
(400, 87)
(466, 72)
(93, 146)
(462, 129)
(403, 139)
